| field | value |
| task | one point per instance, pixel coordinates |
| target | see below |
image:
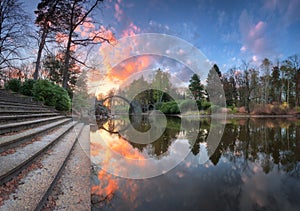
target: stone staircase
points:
(39, 147)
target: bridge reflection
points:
(104, 108)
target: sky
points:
(226, 32)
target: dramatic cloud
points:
(129, 67)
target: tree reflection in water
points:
(246, 145)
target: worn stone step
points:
(72, 190)
(18, 107)
(20, 104)
(13, 163)
(34, 188)
(18, 99)
(26, 107)
(21, 112)
(23, 100)
(15, 118)
(9, 141)
(13, 127)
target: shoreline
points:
(229, 116)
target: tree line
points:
(269, 83)
(270, 86)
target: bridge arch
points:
(134, 106)
(114, 96)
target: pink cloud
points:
(119, 12)
(257, 30)
(131, 30)
(254, 36)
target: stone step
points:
(14, 127)
(35, 187)
(9, 141)
(21, 112)
(18, 107)
(12, 164)
(72, 190)
(18, 99)
(18, 118)
(20, 104)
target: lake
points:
(254, 164)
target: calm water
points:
(255, 166)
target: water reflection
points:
(255, 166)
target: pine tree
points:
(214, 86)
(196, 88)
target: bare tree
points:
(13, 32)
(73, 14)
(247, 80)
(266, 67)
(45, 17)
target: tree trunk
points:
(67, 63)
(39, 55)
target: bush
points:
(51, 95)
(13, 85)
(158, 105)
(170, 108)
(27, 86)
(205, 105)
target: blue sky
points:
(225, 31)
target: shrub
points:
(158, 105)
(234, 110)
(170, 108)
(205, 105)
(51, 95)
(13, 85)
(27, 86)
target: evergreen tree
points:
(214, 86)
(196, 88)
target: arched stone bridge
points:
(135, 106)
(101, 109)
